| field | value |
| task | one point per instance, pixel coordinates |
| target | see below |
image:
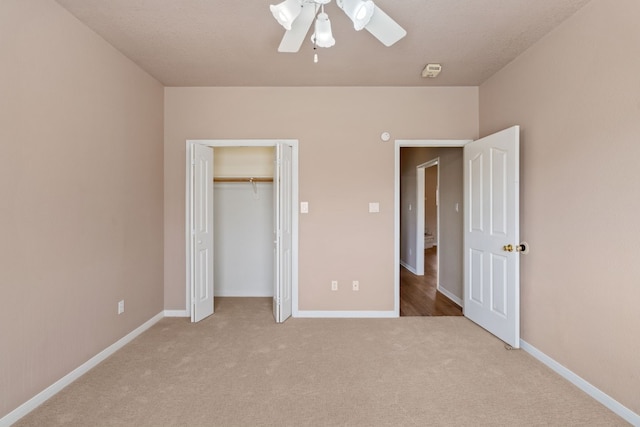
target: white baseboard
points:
(176, 313)
(615, 406)
(40, 398)
(449, 295)
(54, 388)
(346, 314)
(410, 268)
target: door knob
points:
(522, 248)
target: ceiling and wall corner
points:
(234, 43)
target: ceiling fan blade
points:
(384, 28)
(294, 37)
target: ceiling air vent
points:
(431, 70)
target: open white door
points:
(492, 234)
(201, 232)
(282, 193)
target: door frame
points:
(401, 143)
(294, 204)
(420, 213)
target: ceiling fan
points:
(296, 16)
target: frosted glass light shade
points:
(286, 12)
(359, 11)
(322, 36)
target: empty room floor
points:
(239, 368)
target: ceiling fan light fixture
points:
(286, 12)
(322, 36)
(363, 14)
(359, 11)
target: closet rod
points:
(240, 179)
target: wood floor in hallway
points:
(419, 295)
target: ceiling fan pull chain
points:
(315, 44)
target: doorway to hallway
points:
(430, 216)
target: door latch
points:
(522, 248)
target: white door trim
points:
(420, 207)
(294, 212)
(399, 143)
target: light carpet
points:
(239, 368)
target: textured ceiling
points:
(234, 42)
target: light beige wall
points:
(343, 166)
(244, 162)
(576, 94)
(450, 240)
(81, 196)
(430, 205)
(410, 158)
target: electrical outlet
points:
(120, 307)
(334, 285)
(356, 285)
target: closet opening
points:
(243, 218)
(242, 224)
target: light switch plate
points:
(304, 207)
(374, 207)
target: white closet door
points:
(202, 232)
(283, 200)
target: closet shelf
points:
(242, 179)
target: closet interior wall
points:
(243, 221)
